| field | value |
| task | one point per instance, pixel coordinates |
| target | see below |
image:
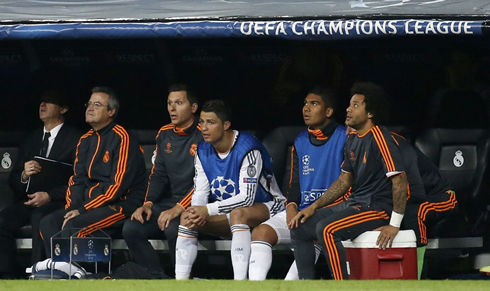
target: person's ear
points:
(227, 125)
(194, 107)
(370, 115)
(112, 112)
(63, 110)
(329, 112)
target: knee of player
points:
(183, 218)
(264, 233)
(322, 229)
(128, 230)
(239, 215)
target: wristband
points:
(396, 219)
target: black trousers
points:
(12, 218)
(419, 217)
(109, 218)
(136, 236)
(330, 227)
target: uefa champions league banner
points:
(301, 30)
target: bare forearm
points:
(400, 191)
(337, 189)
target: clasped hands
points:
(195, 216)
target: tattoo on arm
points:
(400, 192)
(337, 189)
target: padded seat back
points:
(8, 156)
(279, 142)
(146, 139)
(462, 156)
(404, 131)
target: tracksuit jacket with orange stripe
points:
(109, 169)
(371, 159)
(171, 179)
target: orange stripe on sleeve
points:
(383, 147)
(292, 165)
(186, 201)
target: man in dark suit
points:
(55, 141)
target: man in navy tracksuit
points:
(109, 175)
(170, 185)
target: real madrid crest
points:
(6, 161)
(251, 171)
(75, 249)
(458, 159)
(57, 250)
(106, 250)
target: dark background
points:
(263, 80)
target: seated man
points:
(109, 175)
(233, 186)
(439, 200)
(56, 141)
(170, 185)
(320, 150)
(373, 167)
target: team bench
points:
(463, 231)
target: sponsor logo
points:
(168, 150)
(352, 157)
(106, 157)
(193, 149)
(249, 180)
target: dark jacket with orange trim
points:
(109, 169)
(171, 179)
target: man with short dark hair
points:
(234, 191)
(170, 185)
(109, 175)
(56, 141)
(373, 167)
(317, 154)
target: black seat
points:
(146, 139)
(279, 142)
(462, 156)
(404, 131)
(8, 156)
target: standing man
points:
(109, 175)
(170, 186)
(373, 167)
(319, 151)
(59, 142)
(233, 186)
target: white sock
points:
(185, 252)
(260, 260)
(240, 250)
(292, 274)
(70, 269)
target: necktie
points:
(44, 149)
